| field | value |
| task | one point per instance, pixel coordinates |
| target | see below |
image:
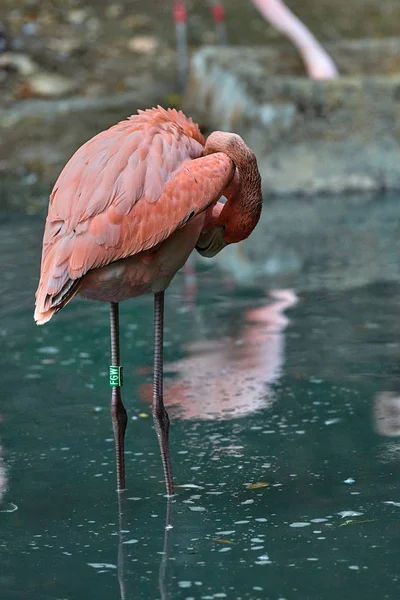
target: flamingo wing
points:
(124, 191)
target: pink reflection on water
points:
(3, 478)
(230, 377)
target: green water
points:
(306, 406)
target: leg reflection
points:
(123, 530)
(3, 480)
(121, 550)
(163, 572)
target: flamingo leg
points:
(181, 41)
(160, 415)
(218, 14)
(118, 412)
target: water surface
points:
(285, 409)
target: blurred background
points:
(69, 69)
(282, 360)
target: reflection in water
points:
(230, 378)
(121, 550)
(123, 530)
(3, 478)
(162, 575)
(387, 413)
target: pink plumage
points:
(122, 193)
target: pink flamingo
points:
(124, 215)
(318, 63)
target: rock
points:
(22, 63)
(137, 21)
(49, 85)
(77, 16)
(66, 47)
(30, 28)
(93, 25)
(113, 11)
(143, 44)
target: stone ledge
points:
(310, 136)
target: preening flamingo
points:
(318, 63)
(124, 215)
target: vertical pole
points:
(181, 42)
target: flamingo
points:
(124, 215)
(318, 63)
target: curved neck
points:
(244, 198)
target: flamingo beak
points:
(212, 242)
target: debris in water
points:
(353, 522)
(256, 486)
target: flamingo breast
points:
(147, 272)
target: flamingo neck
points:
(244, 199)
